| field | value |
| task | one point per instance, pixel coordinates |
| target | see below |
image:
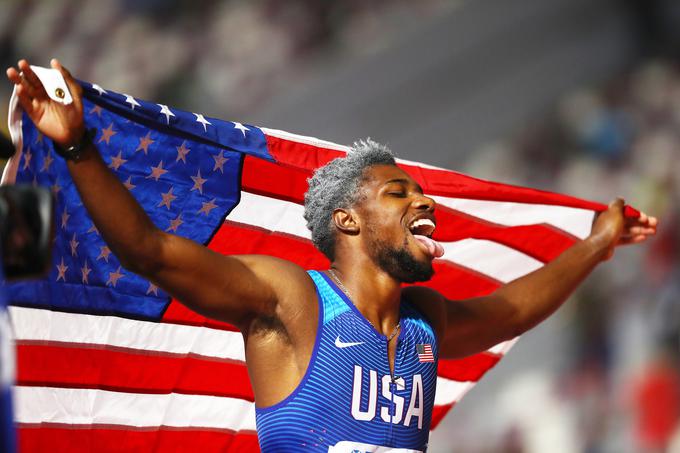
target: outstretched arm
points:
(234, 289)
(475, 325)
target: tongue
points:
(433, 247)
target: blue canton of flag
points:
(183, 168)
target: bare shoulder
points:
(284, 277)
(429, 302)
(291, 287)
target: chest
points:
(387, 381)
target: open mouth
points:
(422, 227)
(422, 230)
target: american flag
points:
(7, 431)
(108, 362)
(425, 353)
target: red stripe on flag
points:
(450, 183)
(470, 368)
(300, 155)
(438, 413)
(434, 181)
(538, 241)
(177, 313)
(268, 179)
(134, 371)
(453, 281)
(457, 283)
(236, 239)
(542, 242)
(104, 439)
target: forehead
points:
(379, 175)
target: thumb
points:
(617, 204)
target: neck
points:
(376, 294)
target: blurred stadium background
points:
(575, 96)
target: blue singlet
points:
(348, 400)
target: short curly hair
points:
(336, 185)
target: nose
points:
(424, 202)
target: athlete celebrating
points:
(345, 359)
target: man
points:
(344, 359)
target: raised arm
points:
(234, 289)
(474, 325)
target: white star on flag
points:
(130, 100)
(99, 89)
(165, 110)
(201, 119)
(241, 127)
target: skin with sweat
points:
(273, 302)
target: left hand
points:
(62, 123)
(612, 228)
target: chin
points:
(402, 265)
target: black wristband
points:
(74, 152)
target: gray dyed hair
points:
(336, 185)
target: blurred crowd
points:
(619, 388)
(223, 56)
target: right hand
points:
(612, 229)
(62, 123)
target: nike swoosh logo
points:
(342, 344)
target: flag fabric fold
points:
(108, 362)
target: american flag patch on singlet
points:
(425, 353)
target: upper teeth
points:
(421, 222)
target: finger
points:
(29, 80)
(25, 100)
(617, 204)
(13, 76)
(640, 229)
(647, 220)
(635, 230)
(652, 221)
(73, 86)
(632, 239)
(28, 75)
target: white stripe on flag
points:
(304, 139)
(490, 258)
(575, 221)
(271, 214)
(495, 260)
(503, 348)
(7, 364)
(32, 324)
(45, 325)
(92, 406)
(307, 140)
(450, 392)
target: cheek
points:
(383, 220)
(383, 225)
(390, 234)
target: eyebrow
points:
(405, 182)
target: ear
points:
(345, 220)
